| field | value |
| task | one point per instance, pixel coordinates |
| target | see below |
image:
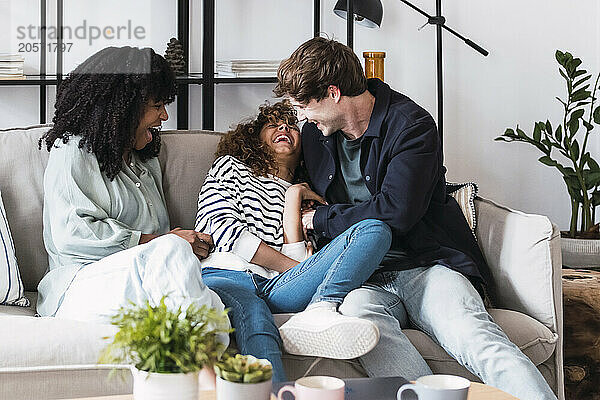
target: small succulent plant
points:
(243, 369)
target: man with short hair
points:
(371, 152)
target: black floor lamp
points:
(369, 13)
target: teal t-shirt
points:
(349, 187)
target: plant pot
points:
(580, 253)
(243, 391)
(157, 386)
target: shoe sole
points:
(344, 340)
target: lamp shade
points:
(367, 13)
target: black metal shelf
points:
(198, 79)
(207, 79)
(30, 80)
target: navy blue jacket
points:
(402, 165)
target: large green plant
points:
(156, 339)
(580, 171)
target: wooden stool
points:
(581, 302)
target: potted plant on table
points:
(166, 348)
(242, 377)
(566, 148)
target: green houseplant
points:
(166, 348)
(565, 147)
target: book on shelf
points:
(11, 66)
(12, 77)
(5, 57)
(247, 68)
(248, 74)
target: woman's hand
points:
(310, 250)
(201, 243)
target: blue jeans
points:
(341, 266)
(442, 303)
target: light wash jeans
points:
(341, 266)
(442, 303)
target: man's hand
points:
(303, 192)
(201, 243)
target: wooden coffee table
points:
(478, 391)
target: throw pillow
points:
(11, 287)
(464, 194)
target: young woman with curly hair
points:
(261, 264)
(106, 227)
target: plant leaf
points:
(592, 178)
(558, 133)
(579, 82)
(596, 199)
(575, 149)
(548, 161)
(580, 94)
(537, 133)
(549, 127)
(560, 56)
(577, 114)
(593, 164)
(573, 126)
(597, 115)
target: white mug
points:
(315, 388)
(436, 387)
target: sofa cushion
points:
(11, 287)
(532, 337)
(535, 340)
(55, 357)
(464, 194)
(28, 311)
(185, 160)
(21, 178)
(184, 171)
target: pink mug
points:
(315, 388)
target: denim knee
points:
(381, 229)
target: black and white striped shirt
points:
(239, 210)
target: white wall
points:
(483, 95)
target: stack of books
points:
(247, 68)
(11, 66)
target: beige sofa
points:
(50, 358)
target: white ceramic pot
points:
(580, 253)
(243, 391)
(155, 386)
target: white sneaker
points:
(324, 332)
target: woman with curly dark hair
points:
(262, 264)
(106, 227)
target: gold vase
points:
(374, 64)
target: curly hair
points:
(244, 141)
(104, 99)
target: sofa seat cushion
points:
(50, 343)
(534, 339)
(24, 311)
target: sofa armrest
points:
(524, 256)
